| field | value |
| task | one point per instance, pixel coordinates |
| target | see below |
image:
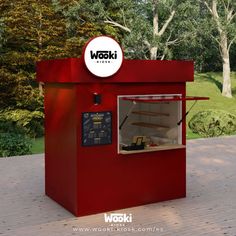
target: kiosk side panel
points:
(60, 144)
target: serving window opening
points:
(149, 123)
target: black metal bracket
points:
(187, 113)
(127, 115)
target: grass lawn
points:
(205, 84)
(210, 85)
(38, 145)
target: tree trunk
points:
(153, 53)
(155, 18)
(224, 47)
(226, 90)
(153, 49)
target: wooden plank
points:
(149, 125)
(154, 149)
(150, 113)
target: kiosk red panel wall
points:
(92, 179)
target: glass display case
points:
(149, 123)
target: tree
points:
(148, 26)
(223, 15)
(159, 31)
(82, 23)
(152, 23)
(192, 27)
(32, 31)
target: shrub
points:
(13, 144)
(211, 123)
(11, 127)
(30, 121)
(13, 140)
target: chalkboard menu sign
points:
(96, 128)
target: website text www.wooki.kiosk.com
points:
(118, 229)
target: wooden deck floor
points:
(209, 209)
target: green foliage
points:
(84, 20)
(7, 88)
(32, 31)
(211, 123)
(1, 32)
(13, 140)
(13, 144)
(30, 122)
(10, 127)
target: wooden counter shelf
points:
(150, 125)
(154, 149)
(150, 113)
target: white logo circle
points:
(103, 56)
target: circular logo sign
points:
(103, 56)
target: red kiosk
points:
(117, 141)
